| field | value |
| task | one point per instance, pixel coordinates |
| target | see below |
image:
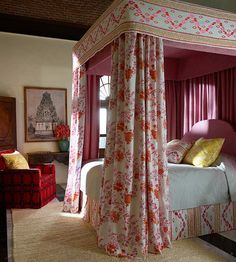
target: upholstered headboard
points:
(7, 123)
(214, 129)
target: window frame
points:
(104, 103)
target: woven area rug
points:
(47, 234)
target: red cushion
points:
(2, 162)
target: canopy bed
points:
(196, 206)
(134, 209)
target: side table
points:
(43, 157)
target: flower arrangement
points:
(62, 132)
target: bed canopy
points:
(134, 203)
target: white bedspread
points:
(190, 186)
(91, 176)
(229, 164)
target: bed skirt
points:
(186, 223)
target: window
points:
(104, 100)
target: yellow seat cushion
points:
(15, 161)
(204, 152)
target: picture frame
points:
(44, 109)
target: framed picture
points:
(45, 108)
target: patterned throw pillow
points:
(176, 150)
(15, 161)
(204, 152)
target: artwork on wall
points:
(45, 108)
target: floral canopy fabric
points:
(134, 195)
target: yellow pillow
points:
(204, 152)
(15, 161)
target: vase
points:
(63, 145)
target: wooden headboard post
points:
(7, 123)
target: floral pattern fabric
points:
(71, 200)
(134, 208)
(176, 150)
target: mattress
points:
(190, 186)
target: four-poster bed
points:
(134, 213)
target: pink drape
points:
(134, 207)
(91, 132)
(174, 109)
(226, 95)
(211, 96)
(187, 102)
(199, 100)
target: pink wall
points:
(171, 68)
(181, 64)
(100, 64)
(202, 64)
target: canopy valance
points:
(167, 19)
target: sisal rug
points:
(47, 234)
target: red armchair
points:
(27, 188)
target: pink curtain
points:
(211, 96)
(226, 95)
(91, 132)
(174, 109)
(71, 200)
(189, 101)
(199, 100)
(134, 208)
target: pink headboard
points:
(214, 129)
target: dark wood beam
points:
(37, 27)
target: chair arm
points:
(30, 171)
(45, 168)
(18, 177)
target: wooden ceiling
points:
(66, 19)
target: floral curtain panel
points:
(134, 195)
(71, 200)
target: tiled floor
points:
(230, 234)
(223, 244)
(226, 256)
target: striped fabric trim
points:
(203, 220)
(186, 223)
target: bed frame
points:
(202, 220)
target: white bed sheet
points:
(190, 186)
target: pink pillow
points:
(176, 150)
